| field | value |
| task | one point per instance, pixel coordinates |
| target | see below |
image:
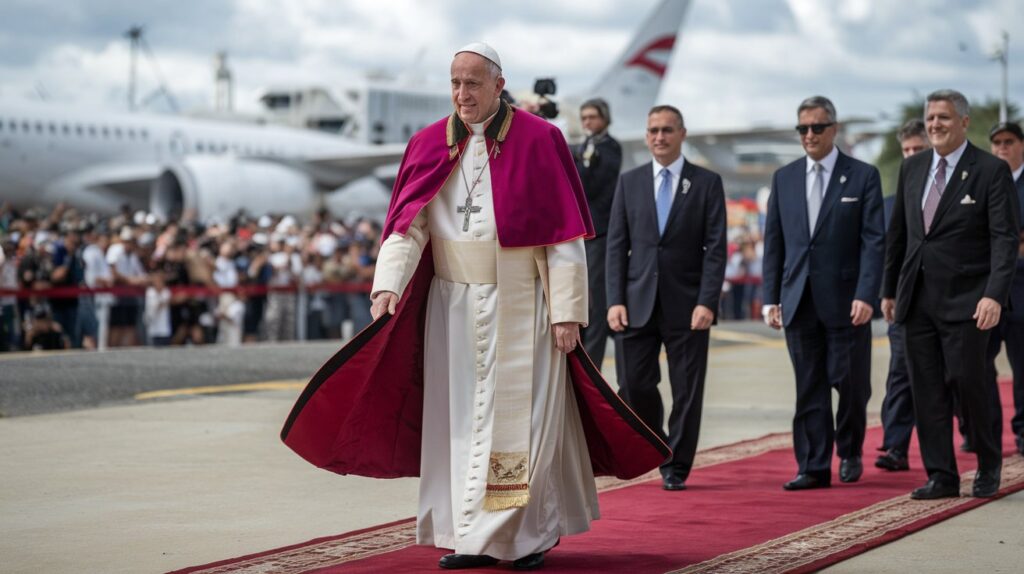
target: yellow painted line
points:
(285, 385)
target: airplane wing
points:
(331, 171)
(105, 187)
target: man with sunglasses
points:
(950, 258)
(1007, 143)
(665, 267)
(823, 252)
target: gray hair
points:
(671, 110)
(959, 101)
(493, 70)
(913, 128)
(816, 102)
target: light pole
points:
(1003, 56)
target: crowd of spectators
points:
(262, 278)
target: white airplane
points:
(172, 166)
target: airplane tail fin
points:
(632, 84)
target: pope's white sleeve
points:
(567, 281)
(399, 256)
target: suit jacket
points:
(685, 266)
(599, 178)
(842, 259)
(970, 251)
(1016, 310)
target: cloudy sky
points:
(738, 62)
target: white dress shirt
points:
(675, 169)
(1017, 172)
(951, 160)
(828, 164)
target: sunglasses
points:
(818, 129)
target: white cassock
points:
(459, 379)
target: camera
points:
(545, 87)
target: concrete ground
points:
(155, 484)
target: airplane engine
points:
(220, 186)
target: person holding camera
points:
(598, 160)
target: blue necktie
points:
(664, 199)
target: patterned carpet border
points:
(830, 542)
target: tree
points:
(983, 117)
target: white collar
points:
(1017, 172)
(675, 168)
(951, 160)
(828, 162)
(478, 129)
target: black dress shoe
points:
(531, 562)
(934, 489)
(850, 469)
(986, 483)
(673, 483)
(806, 482)
(893, 460)
(460, 561)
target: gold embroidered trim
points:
(507, 485)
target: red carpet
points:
(735, 517)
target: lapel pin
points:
(686, 186)
(963, 175)
(842, 179)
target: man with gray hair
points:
(823, 249)
(950, 258)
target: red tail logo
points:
(643, 59)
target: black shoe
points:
(850, 469)
(986, 483)
(531, 562)
(460, 561)
(806, 482)
(893, 460)
(673, 483)
(935, 489)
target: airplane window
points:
(117, 133)
(13, 125)
(53, 128)
(65, 129)
(105, 131)
(25, 127)
(145, 134)
(78, 130)
(39, 127)
(131, 133)
(92, 131)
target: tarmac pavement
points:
(156, 484)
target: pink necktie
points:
(938, 186)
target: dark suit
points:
(937, 280)
(898, 405)
(1010, 331)
(599, 172)
(816, 276)
(661, 278)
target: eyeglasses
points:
(665, 130)
(818, 129)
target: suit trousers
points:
(995, 407)
(825, 358)
(898, 406)
(1011, 332)
(947, 360)
(687, 352)
(595, 334)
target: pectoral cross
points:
(468, 209)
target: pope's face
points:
(946, 129)
(912, 145)
(475, 91)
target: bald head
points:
(476, 87)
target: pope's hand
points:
(383, 302)
(566, 336)
(617, 318)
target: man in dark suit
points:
(666, 263)
(823, 250)
(598, 160)
(898, 406)
(950, 258)
(1007, 143)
